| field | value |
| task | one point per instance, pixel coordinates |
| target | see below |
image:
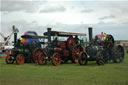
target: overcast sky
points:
(109, 16)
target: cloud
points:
(52, 8)
(117, 10)
(108, 28)
(68, 16)
(119, 31)
(23, 26)
(107, 17)
(21, 5)
(87, 11)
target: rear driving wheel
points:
(20, 59)
(118, 54)
(56, 59)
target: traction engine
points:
(101, 50)
(59, 51)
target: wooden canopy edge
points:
(53, 33)
(33, 37)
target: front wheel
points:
(82, 58)
(42, 59)
(76, 50)
(9, 59)
(20, 59)
(36, 53)
(100, 58)
(56, 59)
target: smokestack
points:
(15, 36)
(49, 36)
(90, 34)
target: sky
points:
(109, 16)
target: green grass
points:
(64, 74)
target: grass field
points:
(65, 74)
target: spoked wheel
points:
(36, 53)
(76, 50)
(82, 58)
(20, 59)
(70, 42)
(56, 59)
(118, 54)
(9, 59)
(100, 58)
(42, 59)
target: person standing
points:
(105, 36)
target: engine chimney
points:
(15, 36)
(90, 34)
(49, 36)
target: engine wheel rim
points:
(118, 55)
(9, 59)
(121, 54)
(76, 51)
(83, 59)
(70, 42)
(20, 59)
(100, 59)
(101, 62)
(56, 59)
(36, 54)
(41, 59)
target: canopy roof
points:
(34, 37)
(58, 33)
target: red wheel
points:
(36, 53)
(71, 42)
(42, 59)
(76, 50)
(20, 59)
(82, 58)
(56, 59)
(9, 59)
